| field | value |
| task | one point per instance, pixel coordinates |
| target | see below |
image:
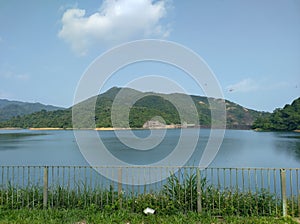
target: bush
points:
(179, 194)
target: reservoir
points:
(240, 148)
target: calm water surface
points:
(239, 148)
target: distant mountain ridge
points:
(96, 111)
(9, 109)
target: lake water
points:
(240, 148)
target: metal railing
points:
(215, 191)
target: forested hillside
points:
(285, 119)
(147, 106)
(9, 109)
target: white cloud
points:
(116, 21)
(5, 95)
(250, 85)
(22, 77)
(246, 85)
(11, 75)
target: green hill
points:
(285, 119)
(9, 109)
(141, 107)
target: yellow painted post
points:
(199, 192)
(120, 186)
(283, 191)
(298, 203)
(45, 187)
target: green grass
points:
(176, 202)
(92, 215)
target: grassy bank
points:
(174, 202)
(92, 215)
(175, 196)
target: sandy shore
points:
(45, 129)
(96, 129)
(111, 129)
(11, 128)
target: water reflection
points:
(6, 136)
(288, 143)
(16, 140)
(239, 148)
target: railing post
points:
(120, 186)
(283, 191)
(199, 192)
(45, 187)
(298, 202)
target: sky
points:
(252, 46)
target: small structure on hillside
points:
(154, 124)
(186, 125)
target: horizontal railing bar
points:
(131, 167)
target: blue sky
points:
(253, 47)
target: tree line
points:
(144, 109)
(282, 119)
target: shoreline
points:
(95, 129)
(120, 129)
(44, 129)
(11, 128)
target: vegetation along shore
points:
(154, 110)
